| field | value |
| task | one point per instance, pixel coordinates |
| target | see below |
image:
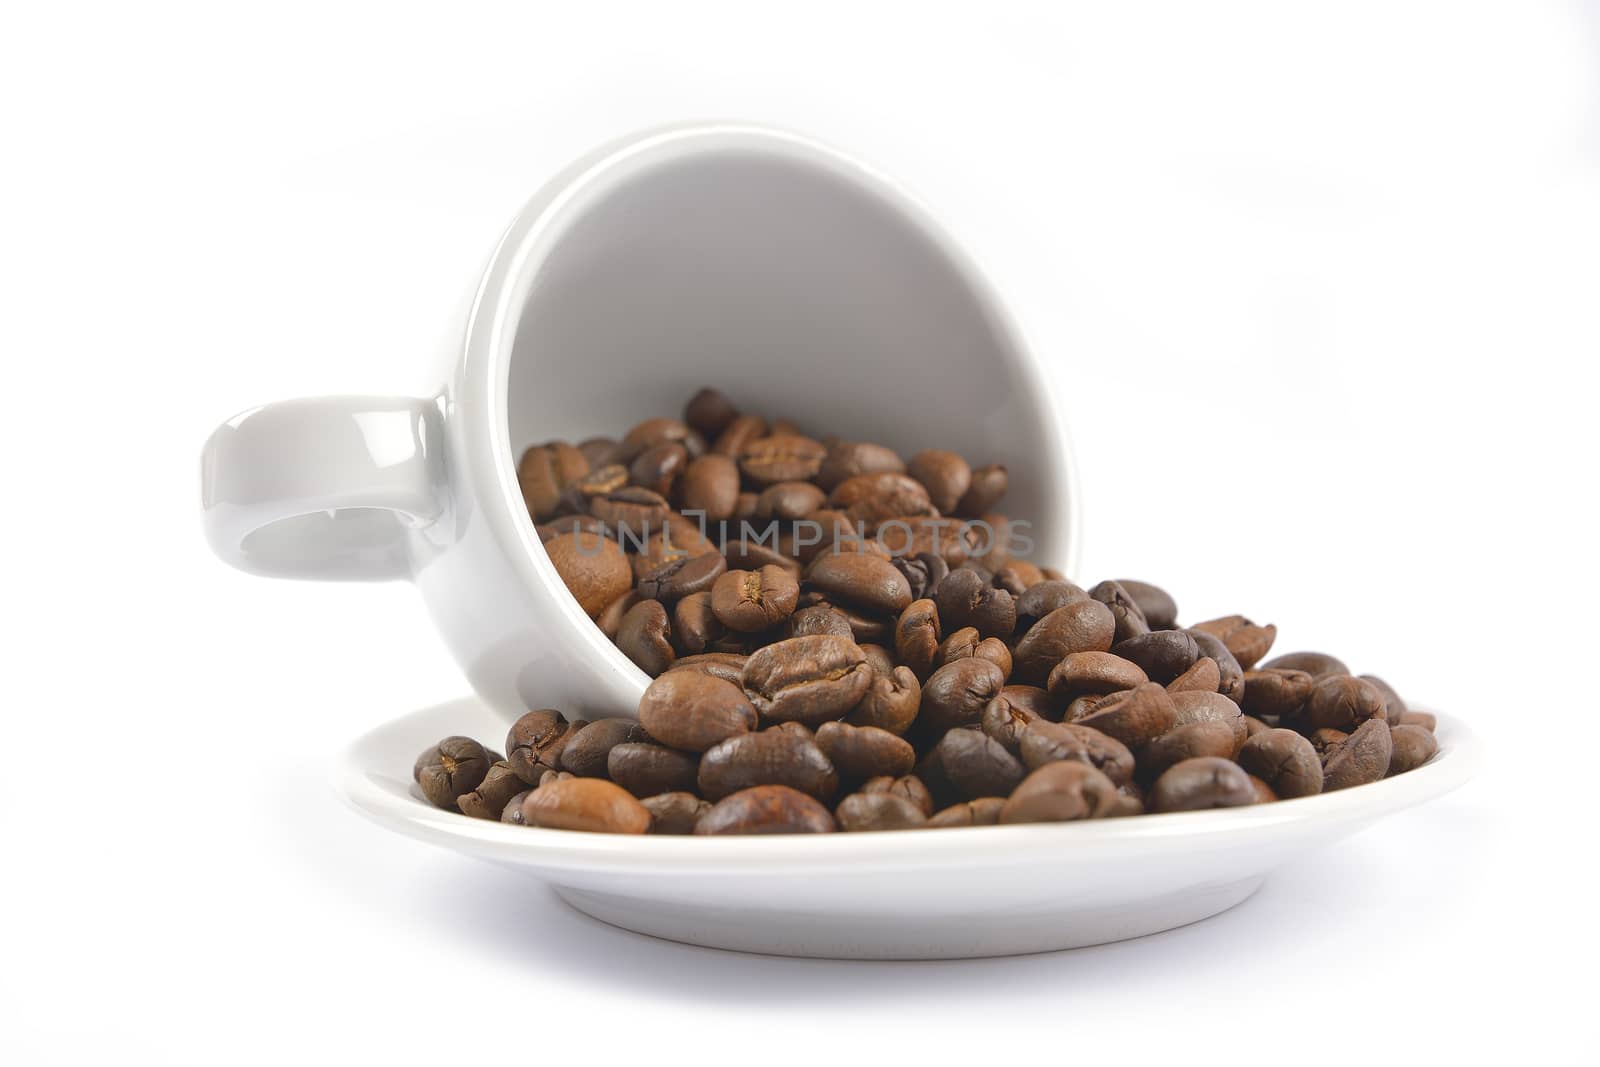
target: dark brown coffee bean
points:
(1159, 609)
(1163, 654)
(634, 512)
(599, 481)
(587, 750)
(695, 626)
(739, 434)
(489, 799)
(512, 812)
(860, 812)
(645, 637)
(977, 765)
(1247, 641)
(659, 467)
(1359, 759)
(997, 652)
(1253, 725)
(923, 572)
(610, 619)
(862, 752)
(860, 580)
(846, 460)
(675, 812)
(984, 811)
(1232, 683)
(1276, 691)
(593, 568)
(1063, 791)
(1317, 664)
(1192, 707)
(766, 809)
(600, 451)
(1285, 761)
(1135, 717)
(1412, 747)
(956, 694)
(878, 659)
(1079, 626)
(1201, 783)
(1045, 742)
(534, 743)
(1034, 699)
(709, 412)
(1190, 741)
(710, 485)
(890, 703)
(1005, 720)
(1093, 672)
(789, 500)
(680, 577)
(965, 599)
(544, 473)
(986, 488)
(908, 786)
(771, 757)
(807, 679)
(590, 804)
(1017, 577)
(1203, 677)
(693, 711)
(555, 776)
(781, 458)
(751, 601)
(820, 619)
(1263, 791)
(1325, 741)
(870, 499)
(1392, 703)
(645, 769)
(1425, 719)
(945, 475)
(1130, 620)
(1340, 702)
(962, 644)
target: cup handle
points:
(324, 488)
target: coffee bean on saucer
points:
(771, 757)
(1161, 654)
(1359, 759)
(766, 809)
(1078, 626)
(957, 693)
(1045, 742)
(964, 598)
(1317, 664)
(534, 743)
(674, 813)
(862, 752)
(692, 711)
(807, 679)
(1063, 791)
(984, 811)
(1340, 702)
(489, 799)
(1247, 641)
(878, 811)
(890, 702)
(586, 752)
(591, 804)
(977, 765)
(1285, 760)
(1205, 782)
(1412, 747)
(645, 769)
(1160, 610)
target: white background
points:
(1318, 283)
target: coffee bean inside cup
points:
(842, 639)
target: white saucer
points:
(917, 894)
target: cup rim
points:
(538, 228)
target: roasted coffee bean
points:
(534, 743)
(728, 666)
(512, 812)
(1340, 702)
(1084, 706)
(1325, 741)
(587, 751)
(633, 511)
(555, 776)
(997, 652)
(694, 711)
(923, 571)
(917, 635)
(1253, 725)
(695, 626)
(1425, 719)
(870, 499)
(1130, 620)
(847, 459)
(962, 644)
(751, 601)
(945, 475)
(977, 765)
(1276, 691)
(1201, 783)
(965, 599)
(600, 451)
(1393, 705)
(771, 757)
(745, 554)
(860, 580)
(659, 467)
(1203, 677)
(680, 577)
(675, 812)
(710, 485)
(789, 500)
(1247, 641)
(591, 804)
(1232, 683)
(564, 524)
(987, 487)
(862, 752)
(1192, 707)
(890, 703)
(1017, 577)
(1034, 699)
(1285, 761)
(452, 768)
(766, 809)
(1045, 742)
(1359, 759)
(878, 659)
(956, 694)
(1317, 664)
(908, 786)
(1190, 741)
(645, 769)
(807, 679)
(1135, 717)
(1093, 672)
(1159, 609)
(1063, 791)
(1163, 654)
(781, 458)
(878, 811)
(709, 412)
(1005, 720)
(488, 800)
(645, 637)
(599, 481)
(1412, 747)
(593, 568)
(739, 434)
(1079, 626)
(544, 473)
(820, 620)
(610, 619)
(1044, 597)
(984, 811)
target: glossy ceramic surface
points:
(796, 278)
(919, 894)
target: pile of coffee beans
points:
(840, 639)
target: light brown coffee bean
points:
(860, 580)
(1317, 664)
(986, 488)
(1079, 626)
(544, 473)
(1276, 691)
(781, 458)
(1063, 791)
(984, 811)
(593, 568)
(588, 804)
(862, 752)
(1093, 672)
(1206, 737)
(1247, 641)
(1412, 747)
(956, 694)
(1192, 707)
(1203, 677)
(675, 812)
(807, 679)
(1135, 717)
(847, 459)
(751, 601)
(645, 637)
(870, 499)
(692, 711)
(945, 475)
(878, 811)
(890, 703)
(907, 785)
(711, 485)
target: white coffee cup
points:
(796, 279)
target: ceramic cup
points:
(798, 280)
